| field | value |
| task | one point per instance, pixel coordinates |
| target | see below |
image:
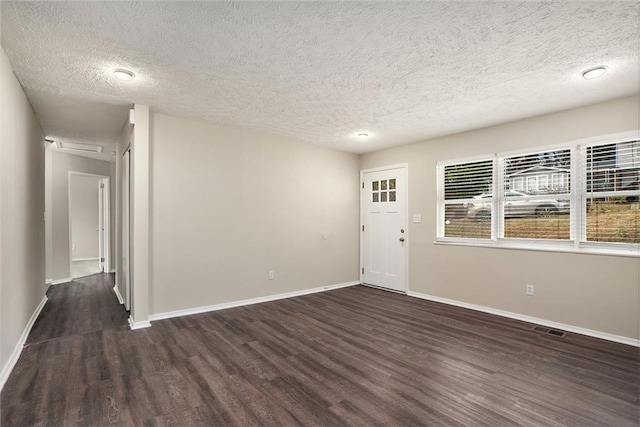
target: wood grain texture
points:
(354, 356)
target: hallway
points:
(80, 269)
(67, 356)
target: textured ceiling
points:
(318, 72)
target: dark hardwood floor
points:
(354, 356)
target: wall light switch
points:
(417, 218)
(271, 274)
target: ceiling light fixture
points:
(123, 74)
(594, 73)
(363, 135)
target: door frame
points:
(102, 224)
(126, 226)
(404, 166)
(106, 206)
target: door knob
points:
(402, 230)
(402, 239)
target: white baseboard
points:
(85, 259)
(225, 305)
(61, 281)
(120, 299)
(529, 319)
(8, 367)
(113, 270)
(138, 325)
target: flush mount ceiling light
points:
(594, 73)
(123, 74)
(363, 135)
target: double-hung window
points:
(465, 186)
(538, 211)
(612, 184)
(583, 196)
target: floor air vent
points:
(548, 331)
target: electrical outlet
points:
(530, 290)
(271, 274)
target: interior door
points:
(126, 231)
(106, 225)
(384, 228)
(101, 237)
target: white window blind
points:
(466, 202)
(542, 209)
(612, 179)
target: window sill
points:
(562, 247)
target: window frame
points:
(518, 183)
(442, 203)
(546, 181)
(578, 196)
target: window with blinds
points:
(612, 192)
(466, 204)
(582, 197)
(536, 200)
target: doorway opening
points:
(89, 224)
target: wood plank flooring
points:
(353, 356)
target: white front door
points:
(384, 227)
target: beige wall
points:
(62, 163)
(590, 291)
(140, 216)
(22, 238)
(229, 205)
(48, 217)
(85, 209)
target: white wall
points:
(85, 210)
(228, 205)
(62, 163)
(22, 233)
(596, 292)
